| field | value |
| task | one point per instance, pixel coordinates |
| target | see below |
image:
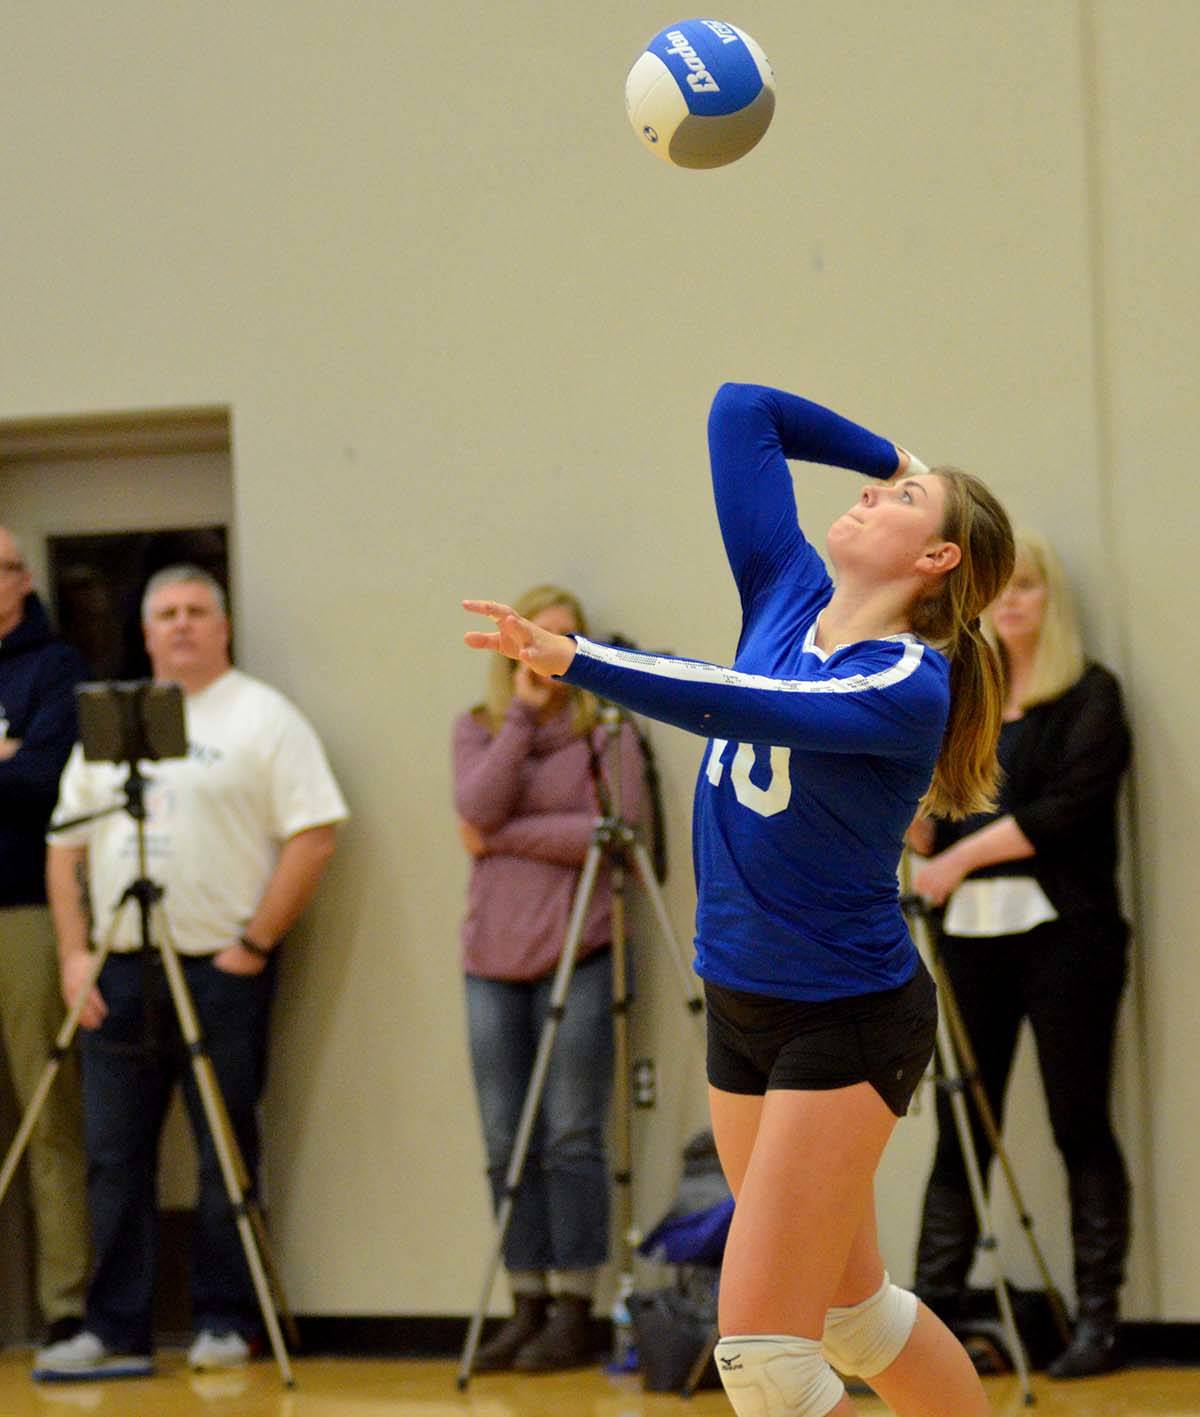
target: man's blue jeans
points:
(130, 1066)
(560, 1213)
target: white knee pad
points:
(774, 1375)
(864, 1339)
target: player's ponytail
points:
(967, 774)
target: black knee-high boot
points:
(1100, 1232)
(946, 1248)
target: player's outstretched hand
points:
(520, 639)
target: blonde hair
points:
(967, 773)
(1058, 660)
(499, 693)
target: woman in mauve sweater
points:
(524, 764)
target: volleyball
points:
(701, 94)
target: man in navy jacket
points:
(38, 674)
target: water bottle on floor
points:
(624, 1348)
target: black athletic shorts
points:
(756, 1042)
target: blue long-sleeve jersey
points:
(816, 762)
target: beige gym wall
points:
(468, 333)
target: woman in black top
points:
(1033, 929)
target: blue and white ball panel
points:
(702, 94)
(712, 64)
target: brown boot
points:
(565, 1342)
(529, 1316)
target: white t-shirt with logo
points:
(255, 775)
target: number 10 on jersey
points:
(766, 802)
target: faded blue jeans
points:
(560, 1212)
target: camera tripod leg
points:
(952, 1075)
(537, 1083)
(683, 965)
(627, 1235)
(987, 1237)
(692, 1382)
(263, 1240)
(624, 1172)
(225, 1143)
(58, 1051)
(962, 1044)
(254, 1212)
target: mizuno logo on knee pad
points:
(770, 1375)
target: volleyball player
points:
(846, 710)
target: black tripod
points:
(959, 1073)
(155, 934)
(613, 841)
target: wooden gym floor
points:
(333, 1387)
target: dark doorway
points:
(97, 580)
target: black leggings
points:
(1066, 977)
(1068, 982)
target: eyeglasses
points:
(13, 566)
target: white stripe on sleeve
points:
(699, 672)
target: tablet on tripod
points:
(127, 721)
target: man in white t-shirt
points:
(238, 834)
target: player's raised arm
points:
(753, 431)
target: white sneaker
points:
(218, 1350)
(87, 1356)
